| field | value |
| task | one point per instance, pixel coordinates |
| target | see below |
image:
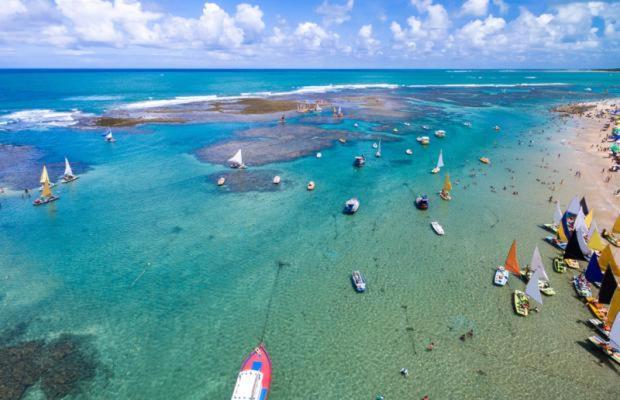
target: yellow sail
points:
(447, 185)
(616, 228)
(44, 176)
(596, 242)
(561, 235)
(46, 192)
(614, 307)
(589, 217)
(607, 258)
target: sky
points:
(309, 34)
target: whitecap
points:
(40, 119)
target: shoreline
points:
(587, 142)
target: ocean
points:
(161, 283)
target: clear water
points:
(172, 277)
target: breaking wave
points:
(40, 119)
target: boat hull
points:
(601, 345)
(500, 278)
(39, 202)
(521, 303)
(254, 379)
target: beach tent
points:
(593, 272)
(608, 287)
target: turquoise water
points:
(173, 279)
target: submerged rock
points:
(247, 180)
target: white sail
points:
(440, 160)
(557, 216)
(537, 265)
(532, 289)
(593, 228)
(580, 221)
(582, 241)
(109, 135)
(574, 206)
(237, 159)
(68, 170)
(339, 110)
(614, 334)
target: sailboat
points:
(46, 193)
(611, 236)
(439, 163)
(236, 161)
(378, 153)
(511, 265)
(532, 289)
(69, 176)
(557, 219)
(537, 265)
(109, 138)
(45, 178)
(611, 347)
(445, 190)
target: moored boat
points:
(437, 228)
(351, 206)
(359, 161)
(311, 185)
(254, 378)
(559, 265)
(221, 181)
(421, 202)
(46, 192)
(378, 153)
(236, 161)
(319, 155)
(501, 276)
(423, 140)
(68, 176)
(582, 287)
(440, 133)
(277, 180)
(521, 303)
(485, 160)
(440, 163)
(409, 152)
(359, 281)
(546, 289)
(555, 242)
(109, 137)
(445, 190)
(510, 265)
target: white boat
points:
(109, 138)
(359, 281)
(409, 152)
(68, 176)
(423, 139)
(437, 228)
(426, 127)
(395, 130)
(375, 145)
(351, 206)
(276, 180)
(221, 181)
(356, 125)
(378, 153)
(467, 124)
(311, 185)
(319, 155)
(440, 133)
(497, 128)
(501, 276)
(439, 163)
(236, 161)
(407, 123)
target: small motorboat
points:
(558, 265)
(467, 124)
(359, 281)
(424, 140)
(276, 180)
(311, 185)
(342, 140)
(375, 145)
(351, 206)
(501, 276)
(409, 152)
(552, 240)
(319, 155)
(497, 128)
(404, 372)
(521, 303)
(421, 202)
(437, 228)
(254, 378)
(426, 127)
(221, 181)
(359, 161)
(606, 348)
(485, 160)
(440, 133)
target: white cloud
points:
(335, 13)
(478, 8)
(421, 5)
(249, 18)
(366, 40)
(479, 33)
(10, 8)
(501, 6)
(424, 34)
(311, 35)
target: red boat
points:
(254, 378)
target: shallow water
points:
(175, 280)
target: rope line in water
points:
(273, 290)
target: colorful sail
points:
(447, 185)
(557, 215)
(596, 242)
(532, 288)
(584, 206)
(68, 170)
(440, 160)
(608, 287)
(561, 235)
(616, 228)
(607, 259)
(614, 307)
(537, 265)
(44, 176)
(46, 192)
(512, 264)
(573, 250)
(593, 272)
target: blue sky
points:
(315, 34)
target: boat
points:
(605, 347)
(359, 281)
(46, 193)
(440, 133)
(600, 327)
(570, 263)
(423, 140)
(467, 124)
(375, 145)
(611, 238)
(109, 138)
(536, 270)
(439, 163)
(596, 308)
(497, 128)
(555, 242)
(378, 153)
(45, 177)
(421, 202)
(533, 286)
(485, 160)
(236, 161)
(582, 287)
(546, 289)
(395, 130)
(311, 185)
(445, 190)
(68, 176)
(254, 378)
(342, 140)
(426, 127)
(559, 265)
(501, 276)
(221, 181)
(550, 227)
(407, 123)
(437, 228)
(351, 206)
(409, 152)
(277, 180)
(521, 303)
(359, 161)
(356, 125)
(511, 265)
(319, 155)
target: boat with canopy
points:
(254, 378)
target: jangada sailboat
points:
(236, 161)
(445, 190)
(68, 176)
(46, 193)
(109, 138)
(611, 347)
(378, 153)
(254, 379)
(511, 265)
(537, 265)
(439, 163)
